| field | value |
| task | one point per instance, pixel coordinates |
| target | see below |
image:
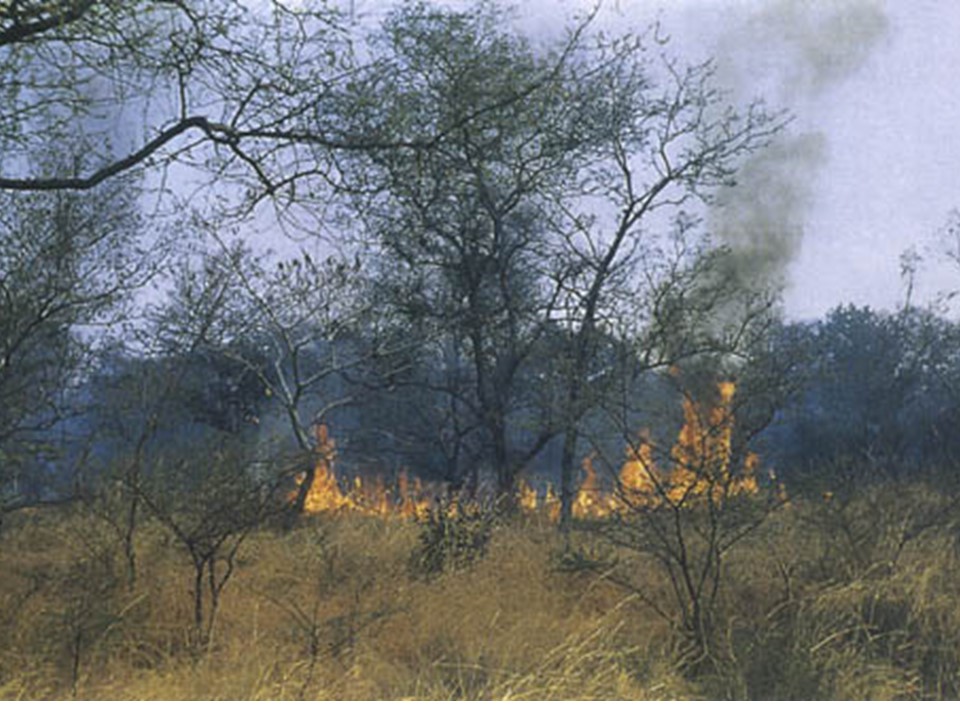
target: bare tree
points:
(670, 140)
(296, 326)
(459, 223)
(142, 390)
(210, 495)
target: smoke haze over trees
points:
(508, 240)
(518, 233)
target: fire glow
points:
(699, 468)
(365, 498)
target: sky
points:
(870, 165)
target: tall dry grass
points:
(331, 610)
(328, 611)
(848, 599)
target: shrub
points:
(453, 535)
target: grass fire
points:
(388, 591)
(426, 352)
(700, 464)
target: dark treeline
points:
(868, 391)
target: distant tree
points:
(409, 414)
(459, 223)
(495, 225)
(880, 392)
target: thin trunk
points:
(584, 347)
(76, 649)
(501, 460)
(490, 401)
(198, 597)
(303, 441)
(129, 548)
(574, 412)
(568, 489)
(303, 489)
(215, 588)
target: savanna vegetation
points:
(846, 598)
(405, 362)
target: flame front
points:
(700, 460)
(370, 498)
(700, 467)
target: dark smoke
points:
(790, 52)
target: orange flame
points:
(412, 502)
(700, 466)
(591, 501)
(324, 494)
(371, 498)
(526, 497)
(700, 463)
(700, 460)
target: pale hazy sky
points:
(876, 80)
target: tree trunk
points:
(568, 484)
(198, 598)
(129, 539)
(506, 489)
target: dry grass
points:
(858, 605)
(332, 611)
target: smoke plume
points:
(792, 53)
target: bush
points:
(453, 535)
